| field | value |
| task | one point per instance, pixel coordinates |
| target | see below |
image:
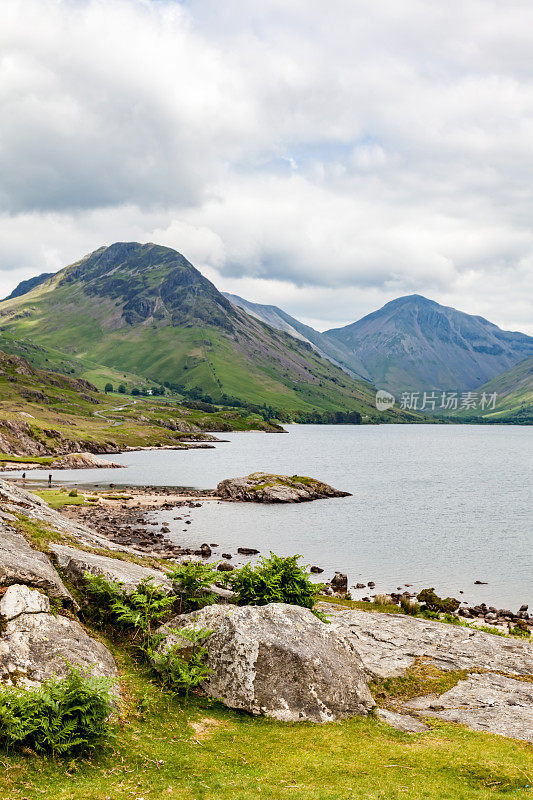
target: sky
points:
(323, 157)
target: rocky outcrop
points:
(263, 487)
(36, 645)
(489, 703)
(76, 563)
(278, 660)
(485, 701)
(20, 564)
(389, 643)
(16, 500)
(83, 461)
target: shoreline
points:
(128, 521)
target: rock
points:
(20, 599)
(205, 550)
(488, 703)
(225, 567)
(77, 562)
(389, 643)
(524, 607)
(402, 722)
(83, 461)
(339, 583)
(20, 564)
(37, 646)
(278, 660)
(227, 556)
(480, 583)
(264, 487)
(360, 585)
(371, 585)
(247, 551)
(317, 570)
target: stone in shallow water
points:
(264, 487)
(278, 660)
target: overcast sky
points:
(322, 156)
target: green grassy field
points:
(203, 751)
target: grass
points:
(57, 499)
(44, 460)
(420, 679)
(204, 751)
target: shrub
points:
(181, 667)
(192, 582)
(73, 493)
(437, 604)
(520, 629)
(409, 607)
(137, 612)
(275, 580)
(61, 717)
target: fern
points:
(61, 717)
(275, 580)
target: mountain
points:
(514, 396)
(327, 347)
(144, 310)
(26, 286)
(413, 343)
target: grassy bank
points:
(203, 751)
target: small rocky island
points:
(264, 487)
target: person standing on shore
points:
(24, 479)
(49, 480)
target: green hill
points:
(43, 413)
(138, 312)
(514, 396)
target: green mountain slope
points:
(514, 396)
(328, 347)
(144, 310)
(43, 413)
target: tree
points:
(122, 389)
(135, 391)
(108, 387)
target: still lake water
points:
(431, 505)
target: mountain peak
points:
(151, 282)
(413, 343)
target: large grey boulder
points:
(264, 487)
(19, 563)
(35, 645)
(278, 660)
(486, 702)
(76, 563)
(389, 643)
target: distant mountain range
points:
(143, 311)
(412, 344)
(137, 312)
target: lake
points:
(431, 505)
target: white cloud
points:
(323, 158)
